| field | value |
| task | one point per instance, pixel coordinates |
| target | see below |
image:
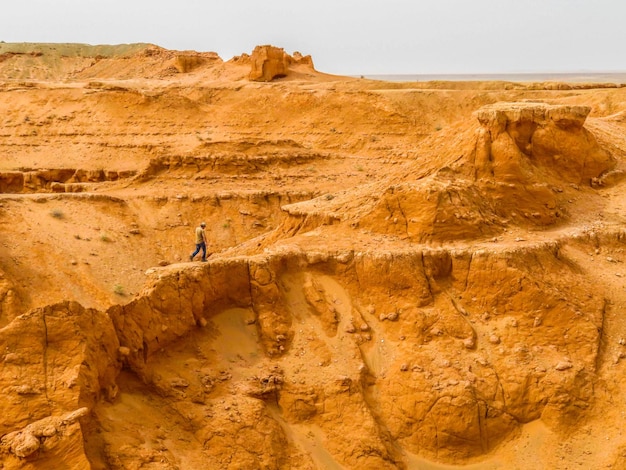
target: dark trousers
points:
(200, 246)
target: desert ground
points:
(402, 275)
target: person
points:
(200, 242)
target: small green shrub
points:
(119, 289)
(57, 213)
(104, 237)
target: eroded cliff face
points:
(260, 358)
(408, 346)
(57, 363)
(518, 140)
(380, 293)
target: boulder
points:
(52, 442)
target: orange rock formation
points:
(403, 275)
(269, 62)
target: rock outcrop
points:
(55, 440)
(519, 139)
(57, 363)
(61, 180)
(269, 62)
(516, 168)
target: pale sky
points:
(350, 37)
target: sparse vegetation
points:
(57, 213)
(104, 237)
(118, 289)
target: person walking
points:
(200, 242)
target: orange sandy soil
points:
(280, 351)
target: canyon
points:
(402, 275)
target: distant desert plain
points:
(402, 274)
